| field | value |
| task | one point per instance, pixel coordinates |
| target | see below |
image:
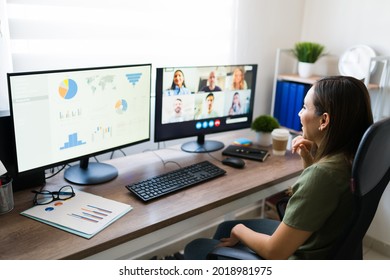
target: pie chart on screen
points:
(68, 89)
(121, 106)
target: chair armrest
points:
(231, 253)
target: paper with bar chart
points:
(84, 214)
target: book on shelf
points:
(84, 214)
(291, 105)
(299, 96)
(288, 102)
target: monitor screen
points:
(195, 101)
(64, 116)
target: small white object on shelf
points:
(356, 60)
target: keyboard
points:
(172, 181)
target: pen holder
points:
(6, 195)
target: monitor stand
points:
(90, 173)
(202, 146)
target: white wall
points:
(262, 27)
(339, 24)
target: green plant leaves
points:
(265, 123)
(308, 51)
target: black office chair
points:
(281, 206)
(370, 176)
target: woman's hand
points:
(232, 240)
(228, 242)
(303, 147)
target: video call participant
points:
(238, 82)
(178, 115)
(211, 84)
(178, 86)
(210, 113)
(236, 108)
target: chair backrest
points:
(370, 176)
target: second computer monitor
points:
(201, 100)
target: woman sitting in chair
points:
(334, 117)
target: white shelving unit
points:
(380, 92)
(286, 70)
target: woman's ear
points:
(324, 121)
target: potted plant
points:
(307, 53)
(263, 125)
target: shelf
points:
(311, 80)
(286, 63)
(295, 78)
(372, 86)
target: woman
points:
(239, 82)
(235, 108)
(334, 117)
(178, 86)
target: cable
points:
(112, 153)
(62, 168)
(213, 157)
(163, 161)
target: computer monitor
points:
(200, 100)
(63, 116)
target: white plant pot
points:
(263, 139)
(305, 69)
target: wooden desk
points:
(24, 238)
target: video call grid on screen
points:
(191, 111)
(195, 105)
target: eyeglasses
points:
(45, 197)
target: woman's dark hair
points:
(173, 86)
(348, 104)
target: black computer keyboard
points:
(175, 180)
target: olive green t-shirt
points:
(321, 203)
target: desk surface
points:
(24, 238)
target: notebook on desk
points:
(246, 152)
(84, 214)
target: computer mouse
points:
(234, 162)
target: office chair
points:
(370, 176)
(281, 206)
